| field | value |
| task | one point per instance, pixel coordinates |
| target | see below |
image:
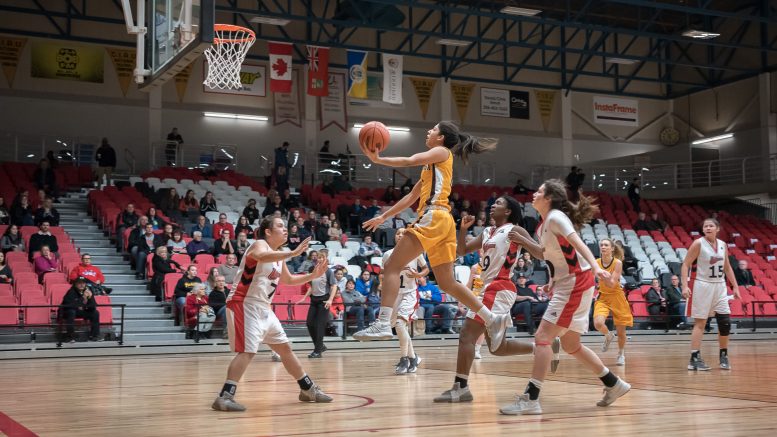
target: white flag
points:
(392, 79)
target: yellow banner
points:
(423, 90)
(67, 61)
(181, 80)
(462, 93)
(124, 64)
(10, 52)
(545, 103)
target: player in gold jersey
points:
(612, 299)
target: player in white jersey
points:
(250, 318)
(572, 269)
(500, 253)
(404, 308)
(709, 294)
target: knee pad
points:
(724, 324)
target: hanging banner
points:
(182, 81)
(504, 103)
(253, 82)
(318, 71)
(423, 90)
(124, 64)
(545, 104)
(462, 93)
(286, 105)
(280, 67)
(67, 61)
(619, 112)
(332, 107)
(392, 79)
(519, 104)
(10, 52)
(357, 74)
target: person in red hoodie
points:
(221, 225)
(90, 272)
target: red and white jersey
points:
(561, 257)
(711, 260)
(406, 283)
(255, 282)
(499, 254)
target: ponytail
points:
(579, 213)
(462, 144)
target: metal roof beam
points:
(699, 10)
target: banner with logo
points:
(280, 67)
(182, 81)
(462, 93)
(287, 106)
(545, 104)
(10, 52)
(253, 82)
(504, 103)
(423, 90)
(63, 60)
(357, 74)
(332, 107)
(619, 112)
(124, 64)
(318, 71)
(392, 79)
(519, 104)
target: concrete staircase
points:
(144, 319)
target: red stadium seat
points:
(183, 260)
(106, 313)
(169, 284)
(9, 316)
(204, 259)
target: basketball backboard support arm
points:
(140, 33)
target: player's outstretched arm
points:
(431, 156)
(262, 252)
(690, 257)
(288, 279)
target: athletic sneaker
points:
(556, 348)
(227, 403)
(611, 394)
(607, 340)
(455, 394)
(314, 394)
(402, 366)
(497, 330)
(724, 362)
(414, 362)
(377, 331)
(621, 360)
(477, 354)
(275, 357)
(522, 405)
(697, 364)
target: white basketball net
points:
(226, 55)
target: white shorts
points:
(250, 325)
(571, 302)
(707, 299)
(498, 296)
(405, 307)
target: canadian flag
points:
(280, 67)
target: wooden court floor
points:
(171, 395)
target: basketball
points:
(374, 137)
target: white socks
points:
(485, 314)
(405, 344)
(384, 316)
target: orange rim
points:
(251, 36)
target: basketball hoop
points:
(226, 55)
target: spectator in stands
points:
(5, 215)
(167, 233)
(477, 229)
(523, 268)
(105, 156)
(527, 303)
(126, 219)
(466, 207)
(372, 210)
(385, 233)
(229, 269)
(177, 243)
(281, 156)
(174, 139)
(12, 240)
(21, 210)
(210, 281)
(135, 235)
(273, 206)
(45, 179)
(169, 205)
(520, 188)
(79, 302)
(743, 274)
(334, 233)
(221, 225)
(655, 223)
(535, 264)
(198, 311)
(189, 206)
(197, 246)
(241, 245)
(369, 248)
(90, 272)
(224, 245)
(47, 212)
(391, 195)
(203, 227)
(634, 194)
(429, 296)
(293, 241)
(147, 243)
(162, 263)
(321, 232)
(471, 258)
(217, 298)
(455, 200)
(155, 221)
(183, 287)
(288, 201)
(208, 203)
(574, 181)
(251, 212)
(243, 226)
(641, 224)
(43, 238)
(364, 283)
(310, 262)
(356, 305)
(46, 262)
(676, 302)
(355, 215)
(656, 299)
(373, 299)
(6, 275)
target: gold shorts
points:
(436, 231)
(618, 305)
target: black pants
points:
(93, 316)
(528, 310)
(316, 321)
(635, 203)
